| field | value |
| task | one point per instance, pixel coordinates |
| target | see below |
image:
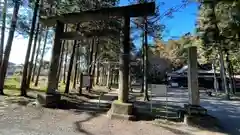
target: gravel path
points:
(22, 120)
(228, 112)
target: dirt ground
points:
(79, 116)
(27, 120)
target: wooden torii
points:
(126, 12)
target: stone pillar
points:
(56, 50)
(193, 76)
(124, 63)
(194, 114)
(52, 97)
(121, 109)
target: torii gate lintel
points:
(120, 108)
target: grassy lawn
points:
(12, 86)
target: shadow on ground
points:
(79, 125)
(148, 111)
(227, 112)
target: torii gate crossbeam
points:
(120, 108)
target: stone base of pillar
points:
(197, 116)
(49, 100)
(121, 111)
(194, 109)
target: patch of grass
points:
(43, 88)
(12, 86)
(61, 87)
(12, 83)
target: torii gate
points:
(121, 108)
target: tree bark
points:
(233, 78)
(94, 63)
(224, 74)
(91, 57)
(4, 13)
(79, 66)
(38, 52)
(228, 63)
(76, 68)
(41, 61)
(142, 84)
(98, 73)
(65, 64)
(219, 41)
(61, 61)
(108, 75)
(215, 77)
(146, 97)
(9, 46)
(26, 63)
(70, 67)
(32, 57)
(91, 64)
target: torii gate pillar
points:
(121, 108)
(52, 97)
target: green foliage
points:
(218, 28)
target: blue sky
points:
(182, 22)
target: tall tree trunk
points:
(26, 63)
(146, 97)
(143, 55)
(70, 67)
(61, 61)
(38, 52)
(79, 66)
(8, 47)
(41, 61)
(233, 78)
(4, 12)
(65, 64)
(73, 70)
(32, 56)
(91, 56)
(97, 73)
(76, 68)
(215, 77)
(219, 41)
(222, 68)
(94, 62)
(87, 56)
(228, 63)
(91, 63)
